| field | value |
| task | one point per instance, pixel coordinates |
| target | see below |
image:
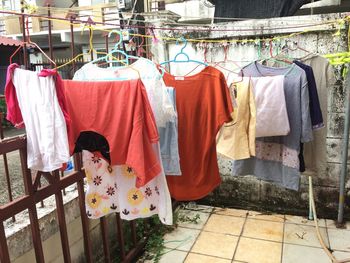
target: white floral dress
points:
(112, 189)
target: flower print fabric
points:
(161, 99)
(112, 189)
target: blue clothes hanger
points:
(187, 58)
(111, 57)
(127, 56)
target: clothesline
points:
(198, 40)
(81, 9)
(207, 28)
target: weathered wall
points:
(20, 239)
(248, 191)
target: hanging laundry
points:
(160, 99)
(112, 189)
(277, 157)
(120, 112)
(325, 80)
(203, 104)
(270, 104)
(34, 101)
(144, 69)
(315, 110)
(122, 196)
(169, 142)
(236, 139)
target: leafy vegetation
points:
(155, 245)
(3, 109)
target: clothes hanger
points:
(125, 61)
(15, 52)
(187, 58)
(90, 51)
(29, 42)
(110, 58)
(225, 60)
(297, 47)
(275, 58)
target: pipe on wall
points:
(344, 167)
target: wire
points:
(182, 29)
(82, 9)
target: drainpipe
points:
(344, 152)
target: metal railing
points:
(35, 193)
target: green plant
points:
(3, 109)
(155, 245)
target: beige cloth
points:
(236, 139)
(315, 152)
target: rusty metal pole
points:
(91, 53)
(6, 167)
(25, 58)
(344, 171)
(50, 35)
(72, 44)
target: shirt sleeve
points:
(315, 108)
(141, 154)
(306, 127)
(14, 114)
(225, 102)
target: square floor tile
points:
(332, 224)
(304, 221)
(260, 229)
(181, 238)
(173, 256)
(264, 216)
(340, 255)
(224, 224)
(304, 254)
(189, 214)
(230, 212)
(339, 239)
(258, 251)
(303, 235)
(215, 244)
(201, 208)
(196, 258)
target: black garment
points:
(92, 142)
(256, 8)
(315, 108)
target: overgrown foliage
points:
(155, 245)
(3, 109)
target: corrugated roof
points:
(9, 41)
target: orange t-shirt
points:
(203, 104)
(119, 111)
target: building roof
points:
(4, 41)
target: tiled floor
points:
(241, 236)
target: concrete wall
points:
(20, 239)
(248, 191)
